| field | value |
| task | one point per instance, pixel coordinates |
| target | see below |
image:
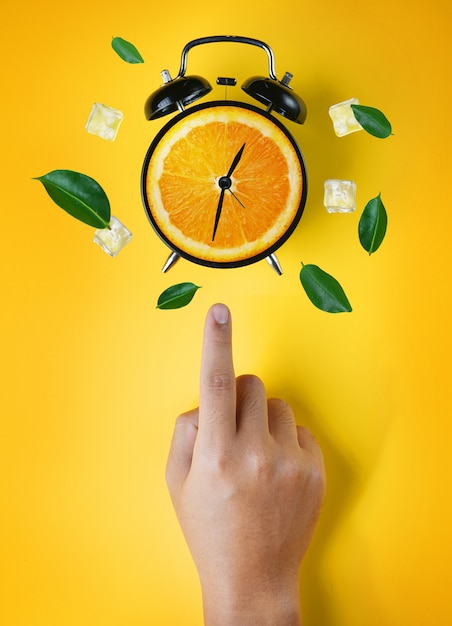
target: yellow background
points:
(93, 375)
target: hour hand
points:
(236, 160)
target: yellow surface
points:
(93, 375)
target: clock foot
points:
(170, 261)
(272, 260)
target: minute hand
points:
(218, 213)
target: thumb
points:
(181, 450)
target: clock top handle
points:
(275, 94)
(177, 93)
(226, 38)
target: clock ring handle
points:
(234, 39)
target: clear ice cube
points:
(104, 121)
(112, 240)
(340, 196)
(344, 122)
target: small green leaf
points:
(372, 225)
(177, 296)
(79, 195)
(323, 290)
(372, 120)
(126, 50)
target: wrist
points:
(251, 604)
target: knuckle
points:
(219, 468)
(251, 399)
(280, 409)
(187, 419)
(181, 420)
(292, 471)
(221, 463)
(280, 413)
(311, 476)
(261, 463)
(250, 382)
(303, 471)
(220, 381)
(318, 478)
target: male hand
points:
(247, 486)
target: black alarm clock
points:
(224, 182)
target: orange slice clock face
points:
(224, 184)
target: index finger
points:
(217, 402)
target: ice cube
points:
(344, 122)
(340, 196)
(104, 121)
(112, 240)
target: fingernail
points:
(220, 313)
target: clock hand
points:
(236, 160)
(225, 183)
(238, 200)
(218, 213)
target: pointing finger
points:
(217, 404)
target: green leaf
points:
(372, 225)
(79, 195)
(323, 290)
(126, 50)
(372, 120)
(177, 296)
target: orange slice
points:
(181, 183)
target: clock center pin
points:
(224, 182)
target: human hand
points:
(247, 485)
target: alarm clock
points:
(224, 182)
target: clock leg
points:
(170, 261)
(272, 260)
